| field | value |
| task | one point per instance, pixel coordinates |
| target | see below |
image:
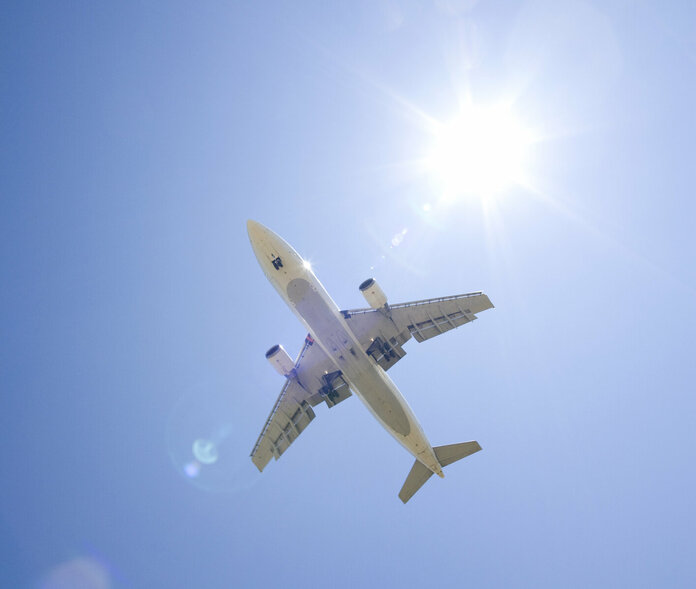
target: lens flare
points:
(205, 451)
(207, 439)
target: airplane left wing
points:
(314, 380)
(431, 317)
(382, 332)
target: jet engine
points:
(373, 294)
(280, 360)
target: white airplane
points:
(350, 351)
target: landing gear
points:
(335, 389)
(380, 347)
(386, 353)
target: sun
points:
(482, 152)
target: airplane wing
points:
(314, 380)
(382, 332)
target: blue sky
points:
(138, 138)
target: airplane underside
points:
(354, 349)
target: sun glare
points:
(481, 152)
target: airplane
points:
(350, 351)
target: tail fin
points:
(445, 455)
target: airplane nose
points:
(256, 231)
(252, 227)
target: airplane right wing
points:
(314, 380)
(382, 332)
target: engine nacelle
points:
(280, 360)
(373, 293)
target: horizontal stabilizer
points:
(445, 455)
(415, 480)
(449, 454)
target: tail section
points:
(445, 455)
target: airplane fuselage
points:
(294, 280)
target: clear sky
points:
(138, 137)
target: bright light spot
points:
(307, 264)
(481, 152)
(192, 469)
(426, 207)
(399, 237)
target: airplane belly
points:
(340, 345)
